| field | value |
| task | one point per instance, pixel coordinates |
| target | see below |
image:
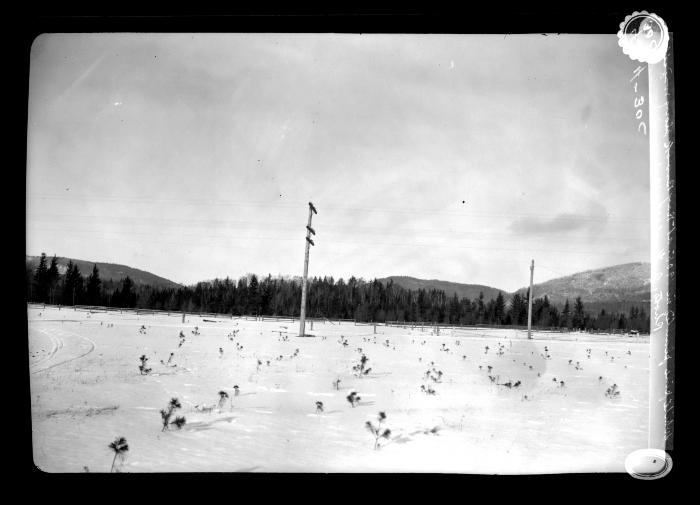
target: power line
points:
(358, 242)
(293, 204)
(366, 230)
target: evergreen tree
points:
(128, 297)
(253, 296)
(566, 315)
(500, 308)
(72, 291)
(480, 307)
(93, 286)
(41, 280)
(266, 297)
(578, 317)
(52, 276)
(68, 285)
(516, 309)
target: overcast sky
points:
(453, 157)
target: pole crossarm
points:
(310, 241)
(311, 230)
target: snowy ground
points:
(86, 390)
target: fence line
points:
(323, 320)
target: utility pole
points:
(309, 232)
(529, 302)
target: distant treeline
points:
(329, 298)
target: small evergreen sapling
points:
(179, 422)
(353, 398)
(427, 390)
(120, 447)
(142, 367)
(360, 367)
(377, 430)
(434, 374)
(166, 414)
(612, 391)
(319, 407)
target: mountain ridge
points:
(608, 287)
(114, 271)
(462, 290)
(626, 283)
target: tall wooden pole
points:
(529, 302)
(309, 242)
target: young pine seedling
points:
(612, 391)
(427, 390)
(360, 367)
(353, 398)
(142, 367)
(120, 447)
(377, 430)
(167, 413)
(179, 422)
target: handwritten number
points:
(636, 73)
(638, 101)
(639, 128)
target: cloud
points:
(563, 222)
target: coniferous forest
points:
(358, 299)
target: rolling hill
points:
(613, 288)
(109, 271)
(615, 285)
(470, 291)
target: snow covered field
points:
(86, 390)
